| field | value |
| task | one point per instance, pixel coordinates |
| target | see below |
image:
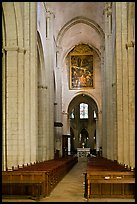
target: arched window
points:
(83, 111)
(94, 115)
(72, 115)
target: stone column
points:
(27, 158)
(41, 140)
(20, 75)
(33, 80)
(49, 64)
(30, 82)
(66, 124)
(40, 124)
(102, 122)
(113, 85)
(97, 136)
(107, 89)
(119, 77)
(99, 121)
(125, 83)
(11, 108)
(130, 45)
(104, 140)
(44, 122)
(110, 104)
(58, 101)
(21, 142)
(4, 137)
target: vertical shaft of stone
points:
(109, 88)
(26, 85)
(131, 74)
(104, 91)
(4, 135)
(103, 101)
(119, 75)
(20, 76)
(113, 85)
(58, 100)
(33, 81)
(108, 81)
(125, 84)
(50, 63)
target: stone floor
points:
(70, 189)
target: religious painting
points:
(81, 71)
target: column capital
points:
(130, 44)
(58, 48)
(108, 9)
(64, 113)
(100, 112)
(102, 47)
(49, 13)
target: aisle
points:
(71, 187)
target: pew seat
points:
(37, 180)
(108, 179)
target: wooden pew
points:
(30, 184)
(108, 179)
(37, 180)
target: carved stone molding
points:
(42, 87)
(16, 48)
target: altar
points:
(82, 153)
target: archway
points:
(84, 129)
(83, 138)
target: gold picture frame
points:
(81, 68)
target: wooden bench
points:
(107, 179)
(38, 180)
(31, 184)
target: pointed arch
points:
(74, 21)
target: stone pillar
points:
(102, 125)
(4, 138)
(21, 142)
(27, 158)
(99, 121)
(41, 140)
(45, 133)
(19, 62)
(49, 64)
(107, 92)
(11, 106)
(97, 136)
(33, 81)
(125, 84)
(119, 82)
(40, 124)
(20, 75)
(66, 124)
(130, 45)
(30, 82)
(58, 101)
(113, 85)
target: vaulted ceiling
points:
(77, 22)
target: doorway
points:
(83, 138)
